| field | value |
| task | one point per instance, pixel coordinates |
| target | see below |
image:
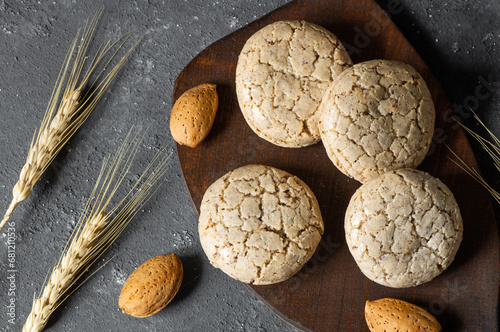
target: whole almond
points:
(398, 315)
(151, 286)
(193, 114)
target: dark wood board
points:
(329, 293)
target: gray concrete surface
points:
(458, 39)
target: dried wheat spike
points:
(97, 228)
(73, 99)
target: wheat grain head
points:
(492, 147)
(73, 98)
(97, 228)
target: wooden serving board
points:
(329, 293)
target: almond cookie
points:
(281, 76)
(403, 228)
(259, 224)
(377, 116)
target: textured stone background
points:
(458, 40)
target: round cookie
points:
(282, 73)
(377, 116)
(403, 228)
(259, 224)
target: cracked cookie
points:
(259, 224)
(282, 73)
(403, 228)
(377, 116)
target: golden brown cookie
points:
(403, 228)
(259, 224)
(281, 76)
(376, 117)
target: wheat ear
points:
(491, 147)
(97, 228)
(68, 108)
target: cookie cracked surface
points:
(259, 224)
(282, 73)
(377, 116)
(403, 228)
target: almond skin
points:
(151, 286)
(193, 115)
(398, 315)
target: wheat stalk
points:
(69, 106)
(491, 147)
(97, 228)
